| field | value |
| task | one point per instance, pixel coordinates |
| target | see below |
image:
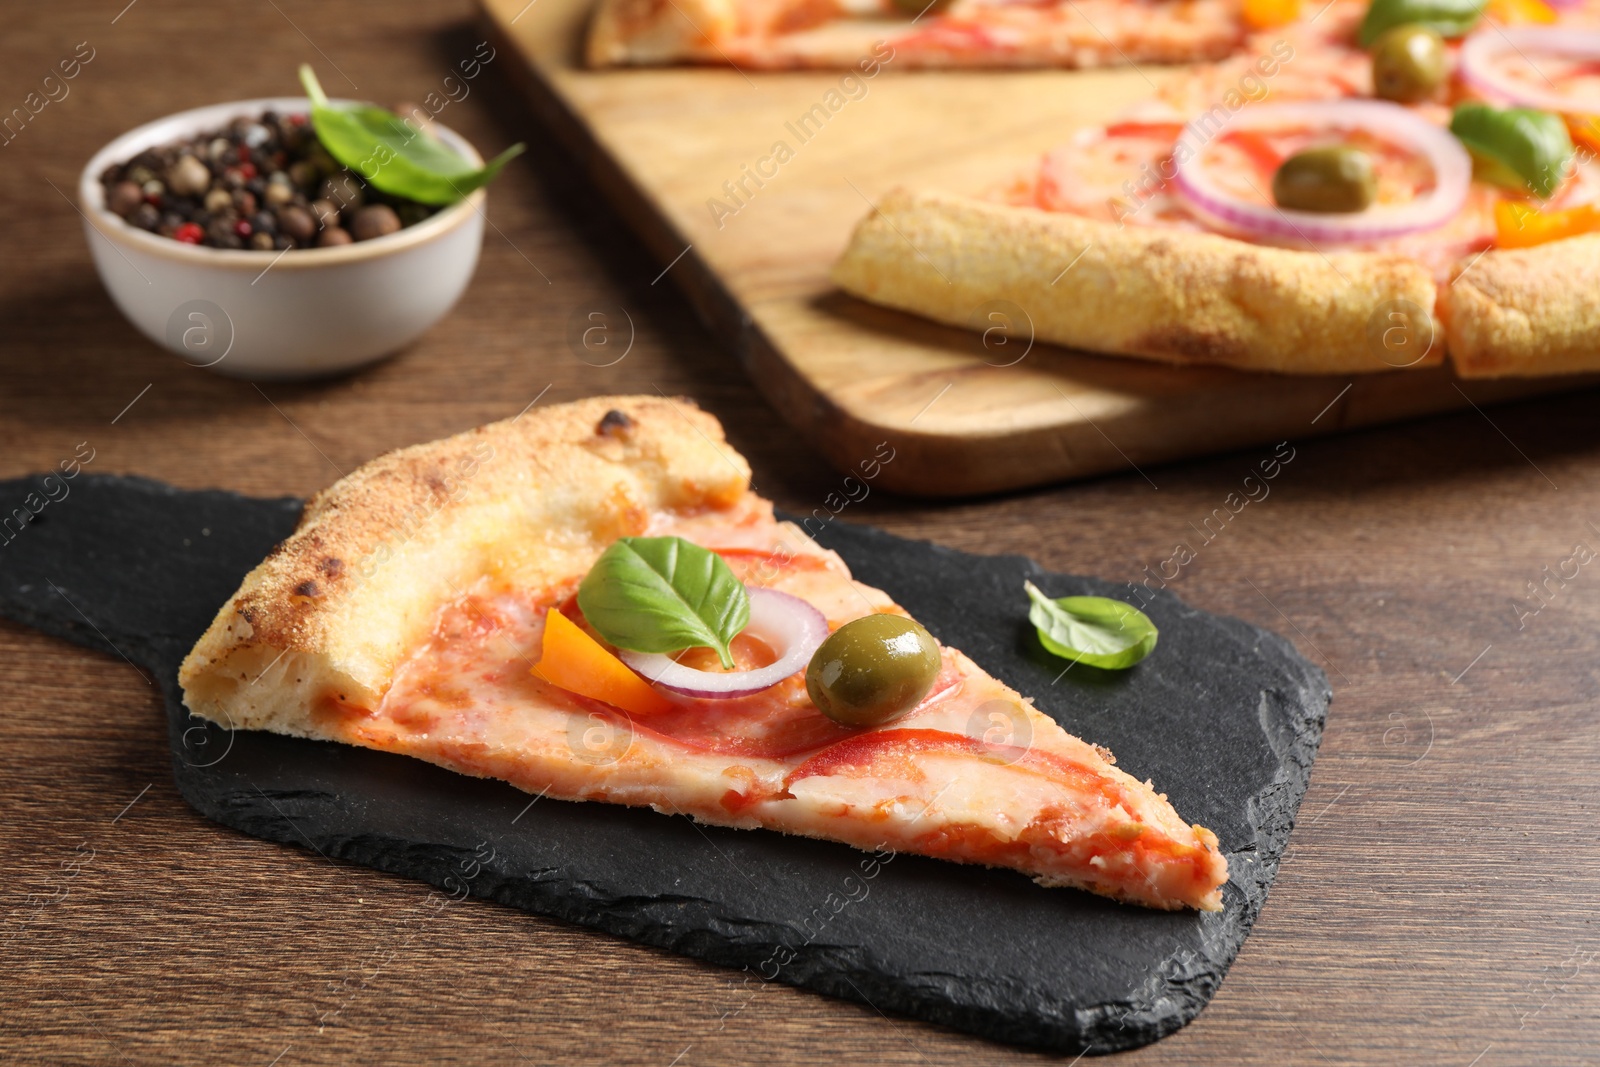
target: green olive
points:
(1409, 63)
(1332, 179)
(872, 670)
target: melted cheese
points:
(1121, 173)
(972, 774)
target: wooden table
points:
(1437, 905)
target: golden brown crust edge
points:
(1167, 295)
(767, 37)
(333, 609)
(1526, 312)
(648, 32)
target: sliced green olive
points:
(1333, 179)
(1409, 63)
(872, 670)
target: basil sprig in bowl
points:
(273, 315)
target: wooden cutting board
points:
(667, 145)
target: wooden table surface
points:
(1437, 905)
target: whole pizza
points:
(1329, 187)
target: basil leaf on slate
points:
(1095, 630)
(664, 594)
(392, 155)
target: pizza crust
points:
(1526, 312)
(836, 35)
(648, 32)
(330, 613)
(1169, 295)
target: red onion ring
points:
(787, 624)
(1452, 169)
(1479, 52)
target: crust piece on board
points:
(646, 32)
(1526, 312)
(1166, 295)
(535, 499)
(825, 34)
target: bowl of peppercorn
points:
(230, 236)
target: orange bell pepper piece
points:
(1520, 12)
(1519, 225)
(1270, 14)
(579, 664)
(1585, 130)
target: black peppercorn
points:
(374, 220)
(344, 190)
(297, 222)
(124, 197)
(252, 184)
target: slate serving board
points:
(1225, 717)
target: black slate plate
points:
(1225, 717)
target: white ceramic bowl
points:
(277, 315)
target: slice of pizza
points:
(495, 603)
(868, 34)
(1343, 196)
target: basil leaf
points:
(394, 156)
(1095, 630)
(1451, 18)
(664, 594)
(1525, 149)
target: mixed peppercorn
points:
(265, 184)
